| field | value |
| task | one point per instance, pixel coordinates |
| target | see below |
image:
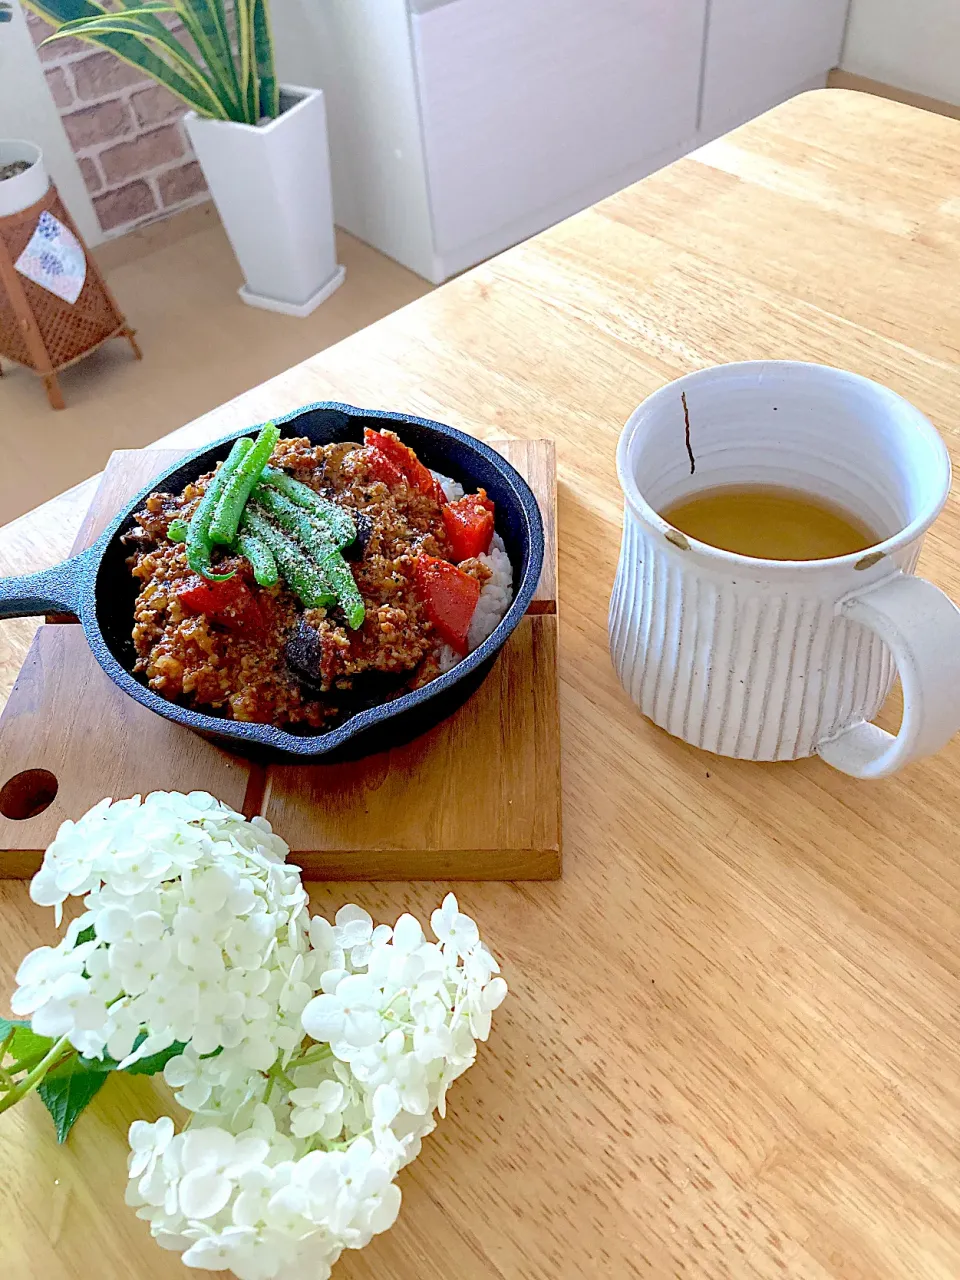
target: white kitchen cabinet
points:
(459, 127)
(530, 109)
(759, 52)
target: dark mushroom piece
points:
(357, 549)
(304, 655)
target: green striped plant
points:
(225, 69)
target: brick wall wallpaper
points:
(126, 131)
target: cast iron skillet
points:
(97, 586)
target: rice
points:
(494, 602)
(452, 489)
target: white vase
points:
(27, 187)
(271, 185)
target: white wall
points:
(913, 44)
(27, 111)
(358, 53)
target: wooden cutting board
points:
(476, 798)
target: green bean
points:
(340, 576)
(295, 520)
(302, 575)
(260, 557)
(316, 539)
(177, 532)
(199, 545)
(342, 528)
(233, 498)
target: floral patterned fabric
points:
(54, 259)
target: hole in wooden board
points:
(28, 793)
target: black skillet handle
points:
(56, 590)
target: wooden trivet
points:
(476, 798)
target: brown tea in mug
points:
(770, 523)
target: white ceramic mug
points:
(777, 659)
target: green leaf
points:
(25, 1047)
(85, 935)
(65, 1097)
(149, 1066)
(249, 82)
(156, 1062)
(78, 1065)
(131, 37)
(206, 23)
(69, 1087)
(263, 56)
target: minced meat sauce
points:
(239, 665)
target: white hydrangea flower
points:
(194, 915)
(351, 1014)
(69, 1009)
(296, 992)
(334, 1047)
(213, 1162)
(147, 1144)
(42, 970)
(192, 1076)
(377, 1064)
(318, 1110)
(454, 929)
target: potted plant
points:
(262, 146)
(23, 175)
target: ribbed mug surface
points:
(753, 658)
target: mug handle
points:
(921, 627)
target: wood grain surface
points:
(346, 821)
(65, 716)
(476, 798)
(731, 1045)
(126, 473)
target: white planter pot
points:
(271, 185)
(27, 187)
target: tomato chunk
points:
(469, 525)
(450, 598)
(231, 603)
(381, 468)
(403, 457)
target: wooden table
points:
(731, 1047)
